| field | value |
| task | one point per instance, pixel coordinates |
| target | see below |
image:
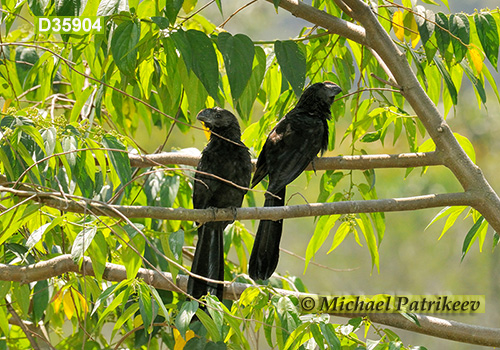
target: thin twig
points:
(236, 12)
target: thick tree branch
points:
(55, 200)
(115, 273)
(403, 160)
(321, 18)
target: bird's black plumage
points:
(289, 148)
(226, 157)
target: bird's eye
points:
(217, 115)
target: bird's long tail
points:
(208, 261)
(266, 248)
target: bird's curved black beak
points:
(333, 88)
(205, 116)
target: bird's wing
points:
(204, 184)
(289, 149)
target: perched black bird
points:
(289, 148)
(226, 157)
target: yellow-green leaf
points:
(398, 26)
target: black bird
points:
(290, 147)
(226, 157)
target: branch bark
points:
(363, 162)
(55, 200)
(433, 326)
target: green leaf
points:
(411, 317)
(118, 301)
(219, 5)
(455, 212)
(98, 252)
(4, 326)
(40, 299)
(331, 338)
(323, 227)
(488, 36)
(69, 7)
(246, 101)
(37, 6)
(491, 80)
(82, 242)
(119, 160)
(459, 26)
(276, 4)
(366, 228)
(172, 8)
(442, 35)
(430, 48)
(447, 79)
(425, 23)
(496, 239)
(186, 313)
(371, 136)
(159, 301)
(442, 213)
(291, 57)
(36, 236)
(21, 295)
(132, 254)
(467, 146)
(411, 133)
(175, 242)
(168, 190)
(478, 84)
(107, 293)
(216, 312)
(124, 47)
(127, 315)
(111, 7)
(146, 307)
(209, 325)
(238, 53)
(199, 55)
(298, 336)
(161, 22)
(340, 235)
(471, 237)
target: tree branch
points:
(55, 200)
(321, 18)
(433, 326)
(363, 162)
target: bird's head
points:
(323, 93)
(220, 121)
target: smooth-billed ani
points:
(226, 157)
(290, 147)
